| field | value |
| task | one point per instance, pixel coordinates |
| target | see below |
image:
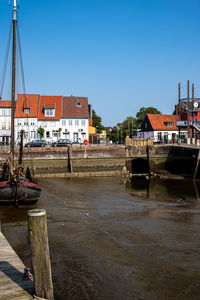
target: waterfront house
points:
(26, 116)
(75, 118)
(49, 115)
(161, 128)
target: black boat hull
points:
(22, 192)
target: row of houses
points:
(59, 116)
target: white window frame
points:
(26, 111)
(49, 112)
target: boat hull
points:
(23, 192)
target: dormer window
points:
(168, 124)
(78, 104)
(27, 111)
(49, 112)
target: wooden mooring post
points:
(197, 165)
(38, 237)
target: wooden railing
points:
(138, 142)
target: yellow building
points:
(92, 130)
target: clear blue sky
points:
(121, 54)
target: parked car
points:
(61, 143)
(36, 143)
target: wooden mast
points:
(14, 25)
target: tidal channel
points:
(115, 240)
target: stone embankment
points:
(155, 160)
(74, 161)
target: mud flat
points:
(108, 240)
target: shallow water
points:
(109, 239)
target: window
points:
(26, 122)
(165, 136)
(83, 136)
(83, 122)
(26, 111)
(145, 124)
(19, 122)
(49, 112)
(55, 133)
(76, 122)
(3, 126)
(33, 134)
(63, 122)
(48, 134)
(78, 104)
(70, 123)
(159, 136)
(168, 124)
(3, 112)
(32, 122)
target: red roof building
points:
(159, 127)
(161, 122)
(50, 108)
(75, 108)
(27, 106)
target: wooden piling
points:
(197, 165)
(37, 228)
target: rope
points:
(21, 61)
(5, 63)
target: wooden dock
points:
(12, 283)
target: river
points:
(115, 240)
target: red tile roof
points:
(50, 102)
(71, 110)
(5, 104)
(27, 101)
(158, 121)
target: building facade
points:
(161, 128)
(58, 116)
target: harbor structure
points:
(188, 111)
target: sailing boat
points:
(14, 186)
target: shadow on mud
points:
(167, 189)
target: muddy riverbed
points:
(109, 240)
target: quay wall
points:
(172, 159)
(104, 160)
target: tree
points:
(96, 121)
(41, 132)
(113, 135)
(140, 115)
(127, 127)
(59, 131)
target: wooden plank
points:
(12, 284)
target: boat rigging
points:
(14, 185)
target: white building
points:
(160, 128)
(58, 116)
